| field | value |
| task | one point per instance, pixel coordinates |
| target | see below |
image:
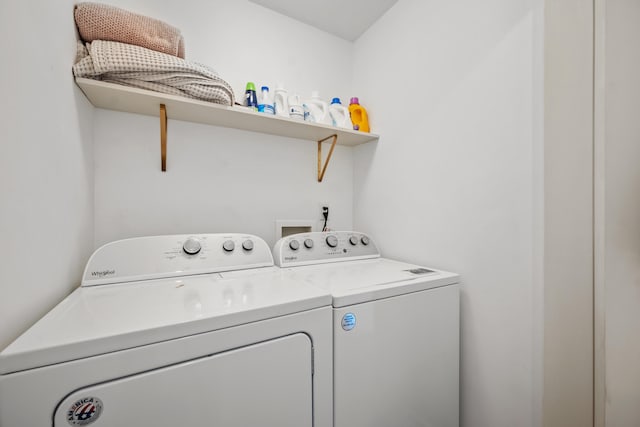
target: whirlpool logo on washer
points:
(84, 411)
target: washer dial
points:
(332, 241)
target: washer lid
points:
(354, 282)
(101, 319)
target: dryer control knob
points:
(228, 246)
(332, 241)
(294, 245)
(308, 243)
(353, 240)
(364, 240)
(247, 245)
(192, 246)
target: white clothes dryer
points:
(182, 330)
(395, 326)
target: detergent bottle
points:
(281, 101)
(340, 114)
(265, 103)
(316, 110)
(358, 116)
(296, 110)
(250, 99)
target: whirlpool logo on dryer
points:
(103, 273)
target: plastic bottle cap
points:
(265, 88)
(355, 100)
(251, 86)
(336, 101)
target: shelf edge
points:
(116, 97)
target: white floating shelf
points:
(132, 100)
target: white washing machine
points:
(198, 330)
(395, 326)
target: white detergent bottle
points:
(340, 114)
(316, 110)
(265, 103)
(281, 101)
(296, 110)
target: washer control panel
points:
(323, 247)
(156, 257)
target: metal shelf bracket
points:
(163, 137)
(323, 168)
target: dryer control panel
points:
(323, 247)
(156, 257)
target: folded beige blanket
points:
(136, 66)
(97, 21)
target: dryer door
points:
(265, 384)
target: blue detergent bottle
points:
(250, 98)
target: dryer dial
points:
(192, 246)
(228, 246)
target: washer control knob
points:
(247, 245)
(228, 246)
(294, 245)
(364, 240)
(332, 241)
(191, 246)
(308, 243)
(353, 240)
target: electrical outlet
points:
(321, 207)
(325, 217)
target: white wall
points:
(451, 182)
(620, 66)
(219, 179)
(46, 165)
